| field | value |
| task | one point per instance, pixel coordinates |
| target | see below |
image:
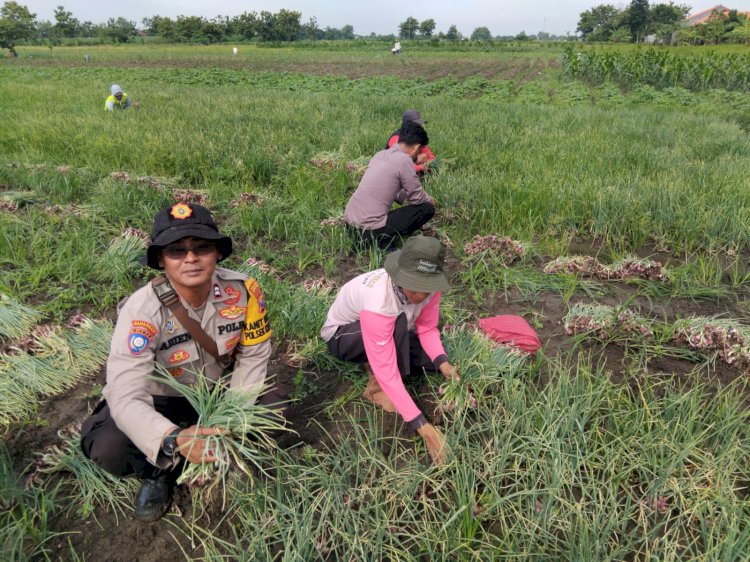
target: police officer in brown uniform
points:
(144, 429)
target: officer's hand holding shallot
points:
(192, 443)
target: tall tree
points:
(598, 23)
(408, 28)
(637, 17)
(665, 19)
(161, 26)
(16, 24)
(65, 24)
(287, 26)
(188, 28)
(347, 32)
(118, 30)
(213, 31)
(311, 31)
(246, 24)
(741, 33)
(481, 34)
(452, 33)
(426, 28)
(267, 26)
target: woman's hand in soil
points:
(192, 443)
(435, 442)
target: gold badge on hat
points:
(181, 211)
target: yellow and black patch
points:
(255, 328)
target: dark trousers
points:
(400, 223)
(104, 443)
(347, 344)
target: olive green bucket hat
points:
(418, 266)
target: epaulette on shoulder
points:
(229, 275)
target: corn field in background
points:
(659, 68)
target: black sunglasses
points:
(179, 252)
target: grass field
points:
(626, 438)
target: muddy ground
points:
(459, 67)
(106, 537)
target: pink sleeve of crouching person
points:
(427, 331)
(377, 334)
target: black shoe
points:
(154, 498)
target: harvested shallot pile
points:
(605, 321)
(190, 196)
(324, 160)
(319, 284)
(503, 247)
(137, 233)
(626, 268)
(262, 266)
(729, 340)
(250, 198)
(726, 339)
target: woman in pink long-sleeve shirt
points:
(371, 322)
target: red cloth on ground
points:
(511, 330)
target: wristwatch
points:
(169, 443)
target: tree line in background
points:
(638, 22)
(660, 23)
(18, 25)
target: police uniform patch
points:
(177, 372)
(181, 211)
(255, 328)
(179, 356)
(231, 342)
(232, 294)
(171, 326)
(254, 289)
(141, 334)
(232, 312)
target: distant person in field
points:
(422, 164)
(117, 99)
(195, 318)
(387, 320)
(396, 48)
(390, 177)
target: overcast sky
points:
(382, 17)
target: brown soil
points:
(521, 70)
(106, 538)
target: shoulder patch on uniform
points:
(255, 328)
(141, 334)
(254, 291)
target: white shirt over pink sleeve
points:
(370, 298)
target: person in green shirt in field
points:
(117, 100)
